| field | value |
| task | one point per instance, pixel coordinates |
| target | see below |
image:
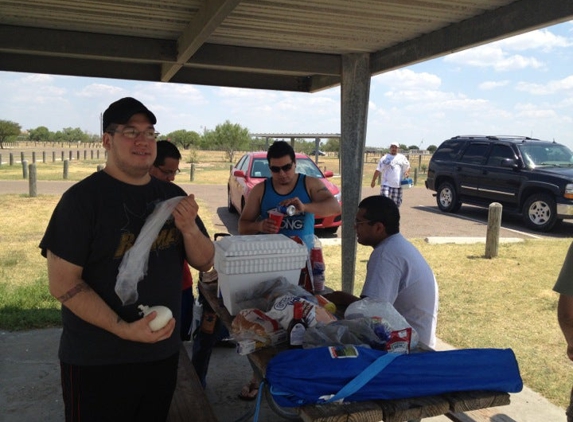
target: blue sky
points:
(518, 86)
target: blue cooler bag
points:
(326, 374)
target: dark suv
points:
(530, 177)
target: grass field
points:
(506, 302)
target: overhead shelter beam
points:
(354, 97)
(197, 32)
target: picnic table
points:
(452, 405)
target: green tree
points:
(228, 137)
(184, 138)
(332, 145)
(69, 134)
(432, 148)
(413, 147)
(8, 130)
(40, 134)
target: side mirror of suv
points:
(510, 162)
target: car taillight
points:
(569, 191)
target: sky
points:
(521, 85)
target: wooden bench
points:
(189, 401)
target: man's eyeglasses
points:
(132, 133)
(285, 168)
(168, 172)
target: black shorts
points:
(139, 392)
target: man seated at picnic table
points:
(396, 272)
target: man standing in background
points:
(394, 167)
(166, 167)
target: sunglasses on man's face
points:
(285, 168)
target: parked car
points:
(530, 177)
(321, 153)
(252, 168)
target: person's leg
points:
(251, 389)
(397, 196)
(129, 392)
(157, 381)
(187, 300)
(204, 339)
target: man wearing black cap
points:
(394, 167)
(113, 366)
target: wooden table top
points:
(410, 409)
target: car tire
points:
(540, 212)
(330, 230)
(447, 198)
(230, 206)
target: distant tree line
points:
(227, 136)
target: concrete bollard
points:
(78, 155)
(32, 181)
(415, 177)
(66, 169)
(63, 158)
(192, 172)
(34, 157)
(44, 157)
(25, 169)
(11, 159)
(53, 156)
(493, 228)
(22, 156)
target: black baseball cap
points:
(121, 111)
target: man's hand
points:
(139, 330)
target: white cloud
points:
(406, 78)
(551, 87)
(489, 85)
(100, 90)
(541, 39)
(493, 56)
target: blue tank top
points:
(301, 225)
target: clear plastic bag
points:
(371, 308)
(263, 296)
(357, 332)
(133, 266)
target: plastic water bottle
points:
(317, 262)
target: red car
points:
(253, 168)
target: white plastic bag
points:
(374, 308)
(197, 316)
(133, 266)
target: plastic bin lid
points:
(258, 244)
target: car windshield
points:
(306, 166)
(546, 155)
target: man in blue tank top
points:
(285, 187)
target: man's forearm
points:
(199, 250)
(249, 227)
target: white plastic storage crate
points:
(242, 262)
